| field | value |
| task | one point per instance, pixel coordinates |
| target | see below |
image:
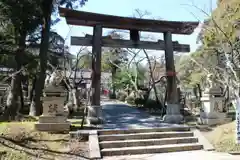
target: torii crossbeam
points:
(134, 25)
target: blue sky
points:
(176, 10)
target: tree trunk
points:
(152, 78)
(114, 70)
(25, 85)
(30, 85)
(14, 93)
(21, 93)
(32, 109)
(47, 10)
(32, 89)
(12, 100)
(199, 90)
(75, 99)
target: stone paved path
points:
(120, 115)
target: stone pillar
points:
(54, 117)
(94, 110)
(173, 114)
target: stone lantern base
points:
(54, 118)
(212, 113)
(48, 123)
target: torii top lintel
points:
(74, 17)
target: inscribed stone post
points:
(54, 118)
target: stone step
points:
(52, 119)
(150, 149)
(148, 135)
(53, 127)
(142, 130)
(147, 142)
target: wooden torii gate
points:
(134, 25)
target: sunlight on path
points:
(120, 115)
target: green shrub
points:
(150, 103)
(112, 96)
(139, 102)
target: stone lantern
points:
(212, 105)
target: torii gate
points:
(135, 25)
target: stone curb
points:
(207, 146)
(94, 148)
(234, 153)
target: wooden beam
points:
(119, 43)
(74, 17)
(172, 97)
(96, 65)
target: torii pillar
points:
(173, 114)
(95, 109)
(98, 21)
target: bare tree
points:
(227, 54)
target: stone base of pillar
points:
(94, 121)
(94, 116)
(173, 119)
(173, 114)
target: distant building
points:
(62, 59)
(106, 77)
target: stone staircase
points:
(147, 141)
